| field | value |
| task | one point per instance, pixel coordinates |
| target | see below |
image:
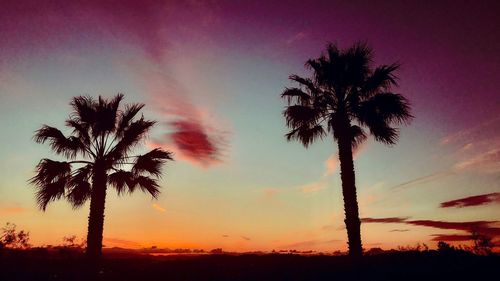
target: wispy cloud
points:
(158, 208)
(485, 129)
(309, 243)
(296, 37)
(486, 162)
(193, 132)
(476, 148)
(423, 179)
(399, 230)
(243, 237)
(476, 200)
(314, 186)
(271, 192)
(12, 209)
(117, 242)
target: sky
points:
(211, 73)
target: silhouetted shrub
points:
(11, 238)
(482, 244)
(445, 247)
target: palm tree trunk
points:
(347, 176)
(96, 216)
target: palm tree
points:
(98, 150)
(343, 97)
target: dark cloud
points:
(473, 201)
(399, 230)
(384, 220)
(245, 238)
(451, 237)
(482, 227)
(486, 228)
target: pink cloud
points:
(313, 187)
(483, 129)
(332, 163)
(476, 148)
(477, 200)
(271, 193)
(12, 210)
(485, 162)
(158, 208)
(296, 37)
(150, 26)
(193, 142)
(192, 132)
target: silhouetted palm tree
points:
(343, 90)
(103, 136)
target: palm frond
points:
(151, 162)
(122, 181)
(84, 109)
(385, 108)
(50, 180)
(356, 60)
(333, 52)
(306, 135)
(106, 114)
(306, 82)
(321, 69)
(147, 184)
(382, 79)
(80, 129)
(69, 147)
(126, 117)
(300, 115)
(131, 136)
(358, 135)
(79, 186)
(296, 95)
(385, 134)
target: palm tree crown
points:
(344, 97)
(345, 88)
(99, 154)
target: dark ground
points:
(426, 266)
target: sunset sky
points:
(216, 69)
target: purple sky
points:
(211, 73)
